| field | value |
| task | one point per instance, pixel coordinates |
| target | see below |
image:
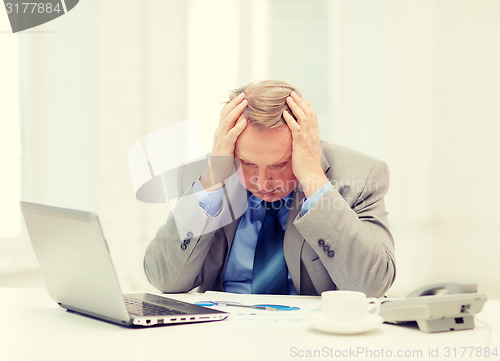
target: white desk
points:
(33, 327)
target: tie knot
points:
(273, 207)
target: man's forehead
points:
(253, 157)
(257, 144)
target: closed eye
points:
(247, 164)
(281, 165)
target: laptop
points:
(79, 275)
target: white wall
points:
(467, 90)
(412, 82)
(416, 83)
(13, 247)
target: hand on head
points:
(231, 123)
(305, 144)
(306, 148)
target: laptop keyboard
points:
(139, 308)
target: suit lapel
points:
(293, 240)
(236, 198)
(325, 165)
(230, 230)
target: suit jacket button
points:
(326, 248)
(321, 242)
(183, 246)
(186, 241)
(190, 234)
(331, 253)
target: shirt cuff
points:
(312, 200)
(210, 202)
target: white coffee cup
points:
(348, 306)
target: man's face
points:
(266, 161)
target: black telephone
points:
(437, 307)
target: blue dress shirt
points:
(237, 276)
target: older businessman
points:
(314, 216)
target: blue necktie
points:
(270, 274)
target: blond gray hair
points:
(266, 102)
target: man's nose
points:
(263, 179)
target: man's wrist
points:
(312, 182)
(210, 201)
(218, 169)
(315, 198)
(209, 186)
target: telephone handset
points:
(447, 287)
(437, 307)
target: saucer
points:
(370, 322)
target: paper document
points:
(257, 315)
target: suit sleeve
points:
(353, 241)
(174, 258)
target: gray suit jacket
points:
(343, 242)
